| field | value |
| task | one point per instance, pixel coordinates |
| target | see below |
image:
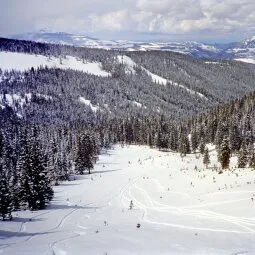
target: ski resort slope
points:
(181, 208)
(23, 62)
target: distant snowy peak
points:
(240, 50)
(189, 48)
(243, 50)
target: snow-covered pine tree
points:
(206, 158)
(34, 183)
(252, 160)
(41, 190)
(194, 140)
(202, 146)
(242, 157)
(5, 196)
(224, 153)
(84, 154)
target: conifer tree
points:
(242, 158)
(252, 160)
(224, 153)
(5, 196)
(206, 158)
(84, 154)
(202, 146)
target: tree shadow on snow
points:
(105, 171)
(73, 207)
(4, 234)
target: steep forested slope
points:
(190, 86)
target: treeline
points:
(231, 128)
(35, 157)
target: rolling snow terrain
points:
(24, 62)
(182, 208)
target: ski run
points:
(142, 201)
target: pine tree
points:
(206, 158)
(202, 146)
(252, 161)
(242, 158)
(224, 153)
(5, 195)
(194, 140)
(35, 185)
(85, 154)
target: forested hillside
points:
(54, 121)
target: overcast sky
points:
(201, 20)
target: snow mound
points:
(23, 62)
(88, 103)
(246, 60)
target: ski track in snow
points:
(138, 181)
(242, 222)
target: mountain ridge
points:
(236, 50)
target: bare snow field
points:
(23, 62)
(182, 208)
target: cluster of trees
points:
(35, 157)
(231, 128)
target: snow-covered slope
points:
(88, 103)
(246, 60)
(22, 62)
(243, 51)
(182, 208)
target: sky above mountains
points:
(200, 20)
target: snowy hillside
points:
(243, 51)
(23, 62)
(182, 208)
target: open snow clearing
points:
(178, 207)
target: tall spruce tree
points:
(224, 153)
(242, 157)
(85, 154)
(206, 158)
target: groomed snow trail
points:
(181, 210)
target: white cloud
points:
(161, 16)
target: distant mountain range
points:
(243, 51)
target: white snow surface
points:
(246, 60)
(88, 103)
(23, 62)
(181, 210)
